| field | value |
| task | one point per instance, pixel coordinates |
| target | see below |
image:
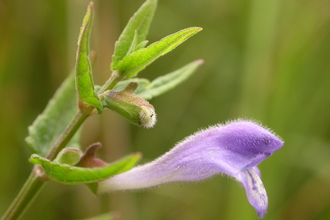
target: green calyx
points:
(135, 109)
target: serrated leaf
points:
(49, 125)
(72, 175)
(137, 61)
(84, 78)
(167, 82)
(139, 24)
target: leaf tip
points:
(197, 29)
(90, 5)
(199, 62)
(138, 155)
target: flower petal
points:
(255, 190)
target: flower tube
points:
(234, 149)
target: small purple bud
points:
(235, 149)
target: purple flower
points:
(235, 149)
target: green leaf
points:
(106, 216)
(137, 61)
(72, 175)
(134, 44)
(148, 90)
(141, 45)
(135, 32)
(167, 82)
(84, 78)
(48, 126)
(143, 84)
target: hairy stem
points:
(28, 192)
(66, 136)
(112, 81)
(35, 181)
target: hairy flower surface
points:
(235, 149)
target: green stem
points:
(28, 192)
(35, 181)
(112, 81)
(66, 136)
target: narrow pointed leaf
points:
(141, 45)
(167, 82)
(138, 24)
(72, 175)
(148, 90)
(106, 216)
(49, 125)
(137, 61)
(84, 78)
(134, 44)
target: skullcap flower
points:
(234, 149)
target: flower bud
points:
(70, 156)
(89, 159)
(135, 109)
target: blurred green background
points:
(264, 59)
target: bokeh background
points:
(266, 60)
